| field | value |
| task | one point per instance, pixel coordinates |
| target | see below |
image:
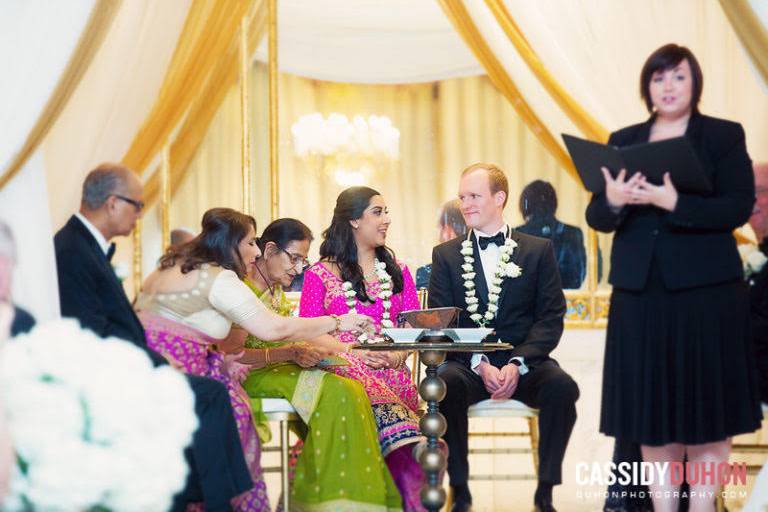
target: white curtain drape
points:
(23, 206)
(369, 41)
(597, 48)
(37, 38)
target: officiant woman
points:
(678, 376)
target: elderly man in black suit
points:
(520, 296)
(90, 291)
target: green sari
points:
(340, 467)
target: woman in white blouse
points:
(189, 304)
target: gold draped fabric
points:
(580, 117)
(89, 43)
(461, 19)
(444, 127)
(205, 40)
(751, 32)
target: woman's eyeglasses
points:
(297, 260)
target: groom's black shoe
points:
(461, 506)
(462, 499)
(542, 500)
(544, 506)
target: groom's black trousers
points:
(545, 387)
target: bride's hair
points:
(339, 242)
(217, 243)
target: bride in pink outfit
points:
(357, 272)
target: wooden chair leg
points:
(285, 464)
(448, 500)
(533, 430)
(719, 501)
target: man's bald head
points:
(112, 199)
(106, 180)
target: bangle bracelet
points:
(266, 356)
(338, 322)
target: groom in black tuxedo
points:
(90, 291)
(530, 313)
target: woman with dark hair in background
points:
(679, 378)
(538, 204)
(358, 272)
(340, 435)
(189, 304)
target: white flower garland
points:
(385, 294)
(504, 268)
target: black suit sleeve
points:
(440, 286)
(80, 298)
(544, 334)
(734, 187)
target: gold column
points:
(165, 197)
(245, 121)
(274, 183)
(137, 273)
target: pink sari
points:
(393, 395)
(193, 350)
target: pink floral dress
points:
(392, 393)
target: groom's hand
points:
(491, 376)
(509, 377)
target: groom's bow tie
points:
(497, 239)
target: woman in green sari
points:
(340, 466)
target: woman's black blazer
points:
(694, 245)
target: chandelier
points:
(348, 151)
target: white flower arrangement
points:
(504, 269)
(385, 294)
(752, 259)
(94, 424)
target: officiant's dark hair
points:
(669, 57)
(339, 242)
(223, 230)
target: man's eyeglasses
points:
(297, 260)
(139, 205)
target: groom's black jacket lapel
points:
(531, 307)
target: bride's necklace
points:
(385, 294)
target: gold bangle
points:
(338, 322)
(266, 356)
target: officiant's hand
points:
(618, 192)
(491, 376)
(663, 196)
(509, 377)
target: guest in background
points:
(21, 320)
(450, 225)
(758, 281)
(90, 292)
(679, 376)
(189, 304)
(538, 204)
